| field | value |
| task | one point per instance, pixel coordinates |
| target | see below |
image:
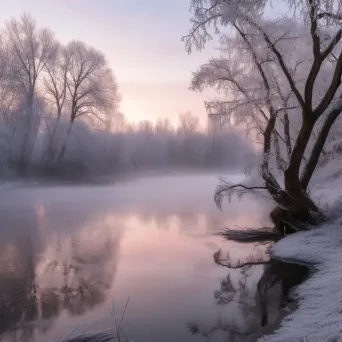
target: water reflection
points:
(67, 253)
(44, 272)
(237, 293)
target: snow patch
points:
(319, 315)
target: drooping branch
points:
(203, 17)
(281, 61)
(229, 189)
(258, 66)
(271, 184)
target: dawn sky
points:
(141, 39)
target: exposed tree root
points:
(250, 235)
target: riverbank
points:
(319, 314)
(274, 326)
(316, 314)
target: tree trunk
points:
(271, 183)
(65, 144)
(287, 135)
(291, 174)
(318, 147)
(279, 160)
(25, 141)
(50, 153)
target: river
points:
(69, 254)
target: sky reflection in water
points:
(68, 253)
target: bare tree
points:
(163, 125)
(188, 124)
(30, 50)
(91, 87)
(249, 92)
(311, 74)
(145, 126)
(8, 91)
(117, 122)
(55, 86)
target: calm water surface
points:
(69, 253)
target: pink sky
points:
(141, 39)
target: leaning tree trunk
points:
(296, 209)
(291, 174)
(318, 147)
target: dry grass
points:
(117, 334)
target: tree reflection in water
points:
(237, 291)
(43, 273)
(60, 259)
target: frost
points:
(319, 315)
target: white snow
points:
(319, 316)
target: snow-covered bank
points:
(319, 314)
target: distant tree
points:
(117, 122)
(188, 124)
(187, 127)
(145, 126)
(8, 90)
(30, 49)
(91, 87)
(163, 125)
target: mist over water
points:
(69, 252)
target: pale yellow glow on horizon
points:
(149, 60)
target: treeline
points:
(148, 146)
(59, 115)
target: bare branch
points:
(229, 189)
(225, 261)
(282, 64)
(330, 93)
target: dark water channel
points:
(68, 254)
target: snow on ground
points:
(319, 316)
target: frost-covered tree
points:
(91, 87)
(188, 124)
(274, 71)
(56, 98)
(163, 125)
(55, 88)
(30, 50)
(8, 89)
